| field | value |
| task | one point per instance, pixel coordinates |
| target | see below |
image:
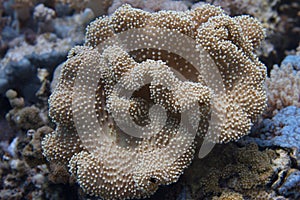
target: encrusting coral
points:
(115, 165)
(232, 172)
(32, 152)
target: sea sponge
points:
(113, 163)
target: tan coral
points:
(263, 10)
(149, 5)
(226, 42)
(283, 88)
(113, 163)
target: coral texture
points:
(239, 170)
(283, 130)
(293, 60)
(149, 5)
(114, 165)
(283, 86)
(229, 196)
(263, 10)
(43, 13)
(20, 181)
(21, 117)
(32, 152)
(291, 185)
(259, 9)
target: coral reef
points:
(288, 25)
(259, 174)
(283, 86)
(241, 172)
(32, 152)
(49, 51)
(263, 10)
(19, 181)
(44, 16)
(293, 60)
(229, 196)
(119, 166)
(150, 5)
(22, 117)
(98, 7)
(280, 19)
(31, 50)
(35, 37)
(282, 130)
(23, 170)
(291, 184)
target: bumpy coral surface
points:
(104, 158)
(229, 196)
(283, 87)
(239, 170)
(150, 5)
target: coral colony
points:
(121, 167)
(156, 99)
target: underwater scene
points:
(150, 99)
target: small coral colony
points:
(103, 99)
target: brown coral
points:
(115, 164)
(32, 152)
(239, 170)
(21, 117)
(229, 196)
